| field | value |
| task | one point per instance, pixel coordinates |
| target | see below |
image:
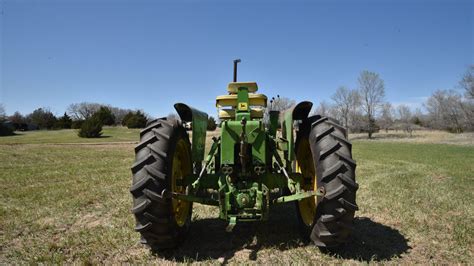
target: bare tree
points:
(355, 114)
(276, 104)
(84, 110)
(372, 92)
(386, 117)
(467, 104)
(418, 118)
(405, 116)
(346, 101)
(323, 109)
(119, 113)
(467, 82)
(280, 103)
(445, 110)
(3, 115)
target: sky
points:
(151, 54)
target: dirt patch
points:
(439, 177)
(90, 220)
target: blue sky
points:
(151, 54)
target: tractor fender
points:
(299, 111)
(198, 121)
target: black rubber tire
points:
(151, 184)
(335, 172)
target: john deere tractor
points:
(261, 158)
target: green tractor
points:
(256, 162)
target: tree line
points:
(88, 117)
(364, 109)
(76, 114)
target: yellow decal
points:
(243, 106)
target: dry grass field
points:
(420, 136)
(66, 199)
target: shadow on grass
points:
(208, 239)
(99, 137)
(372, 241)
(14, 134)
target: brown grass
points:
(70, 203)
(419, 136)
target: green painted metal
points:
(297, 112)
(244, 195)
(297, 196)
(273, 125)
(287, 132)
(243, 108)
(198, 121)
(230, 135)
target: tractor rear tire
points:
(155, 169)
(335, 176)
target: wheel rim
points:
(180, 168)
(305, 166)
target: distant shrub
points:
(126, 118)
(91, 128)
(211, 124)
(77, 124)
(43, 118)
(6, 129)
(135, 120)
(105, 115)
(64, 122)
(18, 121)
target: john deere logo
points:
(243, 106)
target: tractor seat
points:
(231, 100)
(233, 87)
(230, 113)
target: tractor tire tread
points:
(152, 205)
(154, 196)
(348, 181)
(143, 227)
(331, 150)
(137, 188)
(335, 171)
(149, 159)
(151, 126)
(335, 192)
(141, 207)
(145, 143)
(155, 172)
(324, 134)
(319, 121)
(347, 159)
(348, 205)
(161, 134)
